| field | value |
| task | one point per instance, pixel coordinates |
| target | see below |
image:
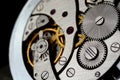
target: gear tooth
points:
(92, 67)
(88, 67)
(118, 18)
(109, 3)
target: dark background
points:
(9, 13)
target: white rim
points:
(17, 66)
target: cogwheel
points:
(100, 21)
(92, 54)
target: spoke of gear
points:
(100, 21)
(92, 54)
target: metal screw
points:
(115, 47)
(99, 20)
(97, 74)
(91, 53)
(45, 75)
(62, 60)
(70, 72)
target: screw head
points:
(70, 72)
(115, 47)
(62, 61)
(97, 74)
(99, 20)
(91, 53)
(45, 75)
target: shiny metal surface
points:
(66, 40)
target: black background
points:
(10, 10)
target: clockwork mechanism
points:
(66, 40)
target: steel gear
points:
(92, 54)
(100, 21)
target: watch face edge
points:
(15, 58)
